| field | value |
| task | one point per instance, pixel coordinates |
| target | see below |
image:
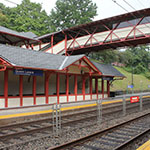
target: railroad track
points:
(44, 126)
(114, 138)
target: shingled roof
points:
(107, 70)
(14, 37)
(20, 57)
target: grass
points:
(140, 82)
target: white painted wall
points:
(2, 102)
(63, 99)
(94, 96)
(52, 99)
(87, 97)
(27, 101)
(71, 98)
(40, 100)
(13, 102)
(80, 98)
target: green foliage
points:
(3, 18)
(140, 81)
(136, 60)
(69, 13)
(26, 17)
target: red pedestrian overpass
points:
(130, 29)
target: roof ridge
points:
(60, 68)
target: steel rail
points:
(94, 135)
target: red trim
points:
(34, 90)
(67, 87)
(92, 65)
(102, 88)
(52, 41)
(21, 89)
(6, 87)
(57, 81)
(75, 87)
(47, 77)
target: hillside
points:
(140, 82)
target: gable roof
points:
(14, 37)
(21, 57)
(108, 70)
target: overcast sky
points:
(106, 8)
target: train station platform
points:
(46, 109)
(145, 146)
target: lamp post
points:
(132, 79)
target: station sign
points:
(28, 72)
(131, 86)
(134, 99)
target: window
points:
(40, 88)
(93, 86)
(71, 84)
(79, 84)
(52, 84)
(62, 84)
(87, 85)
(99, 85)
(27, 85)
(2, 83)
(13, 84)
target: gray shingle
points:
(11, 36)
(21, 57)
(107, 70)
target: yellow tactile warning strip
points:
(62, 109)
(145, 146)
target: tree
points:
(28, 16)
(3, 16)
(69, 13)
(106, 57)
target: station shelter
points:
(30, 78)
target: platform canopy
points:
(16, 57)
(8, 36)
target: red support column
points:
(83, 87)
(75, 87)
(21, 89)
(47, 76)
(34, 89)
(6, 87)
(91, 88)
(67, 87)
(96, 86)
(108, 88)
(57, 88)
(102, 88)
